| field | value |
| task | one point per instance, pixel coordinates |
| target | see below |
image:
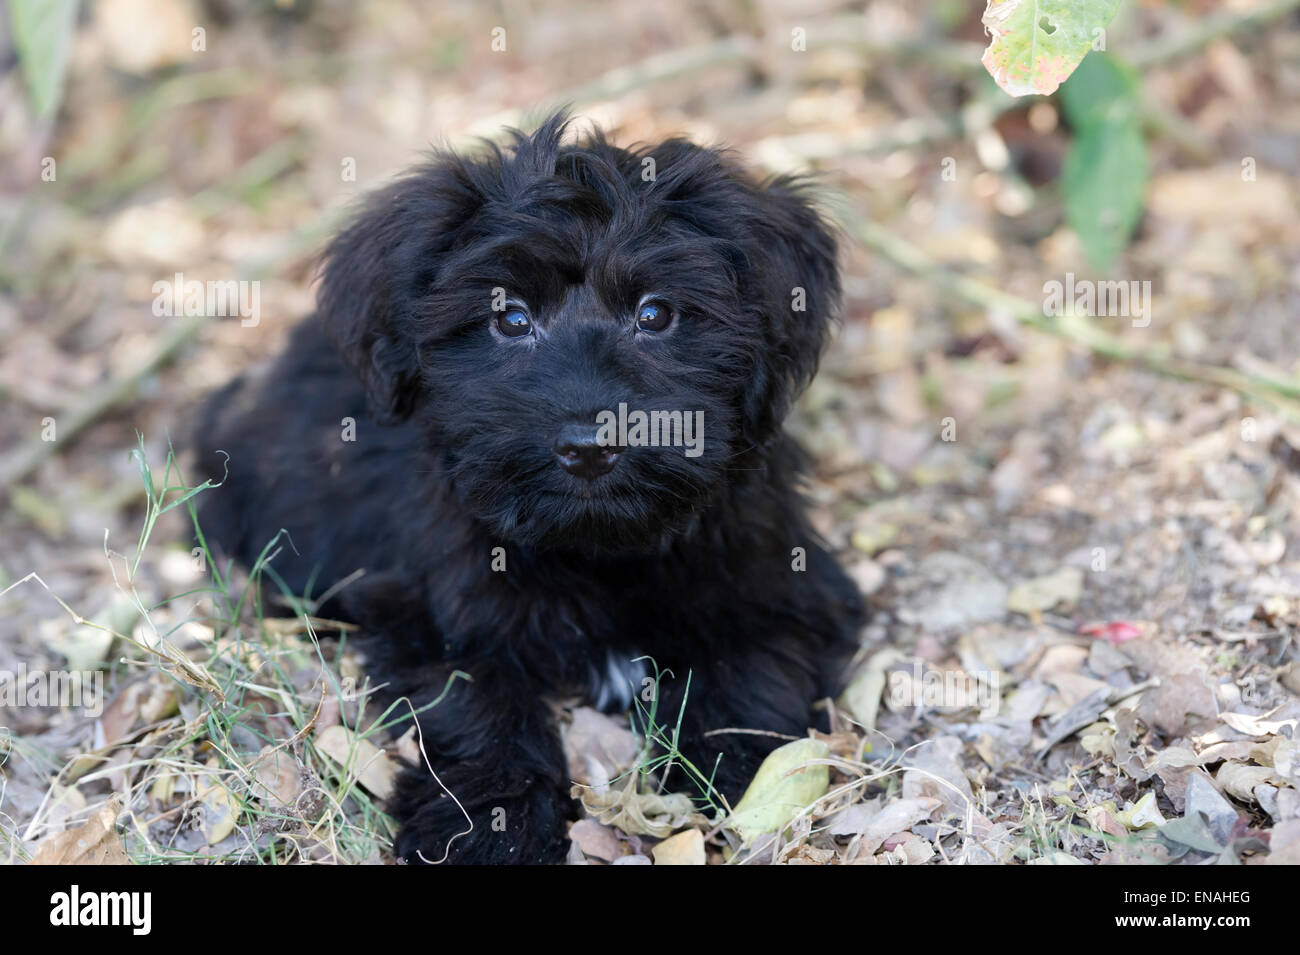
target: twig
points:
(97, 402)
(1280, 393)
(110, 394)
(1175, 44)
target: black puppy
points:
(540, 405)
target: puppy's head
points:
(592, 338)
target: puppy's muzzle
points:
(578, 451)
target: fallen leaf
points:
(1056, 858)
(637, 813)
(862, 696)
(218, 809)
(1239, 780)
(1182, 699)
(910, 849)
(1115, 632)
(94, 843)
(1061, 588)
(685, 848)
(783, 785)
(1143, 814)
(369, 764)
(1284, 844)
(852, 820)
(953, 592)
(1257, 725)
(596, 840)
(598, 746)
(1193, 832)
(85, 646)
(1203, 799)
(279, 776)
(897, 816)
(934, 770)
(811, 855)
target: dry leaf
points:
(596, 840)
(365, 761)
(218, 808)
(1143, 814)
(279, 776)
(898, 816)
(685, 848)
(1257, 725)
(598, 746)
(642, 814)
(1239, 780)
(862, 696)
(94, 843)
(1062, 588)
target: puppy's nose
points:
(579, 453)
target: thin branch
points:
(1280, 393)
(108, 395)
(1179, 43)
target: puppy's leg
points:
(762, 690)
(494, 788)
(769, 679)
(491, 763)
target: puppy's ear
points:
(796, 267)
(378, 271)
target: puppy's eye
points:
(513, 322)
(654, 315)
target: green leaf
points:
(1037, 43)
(43, 31)
(774, 798)
(1191, 831)
(1101, 88)
(1106, 168)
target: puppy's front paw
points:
(523, 829)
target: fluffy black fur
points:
(689, 560)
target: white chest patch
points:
(613, 690)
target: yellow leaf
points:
(685, 848)
(783, 785)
